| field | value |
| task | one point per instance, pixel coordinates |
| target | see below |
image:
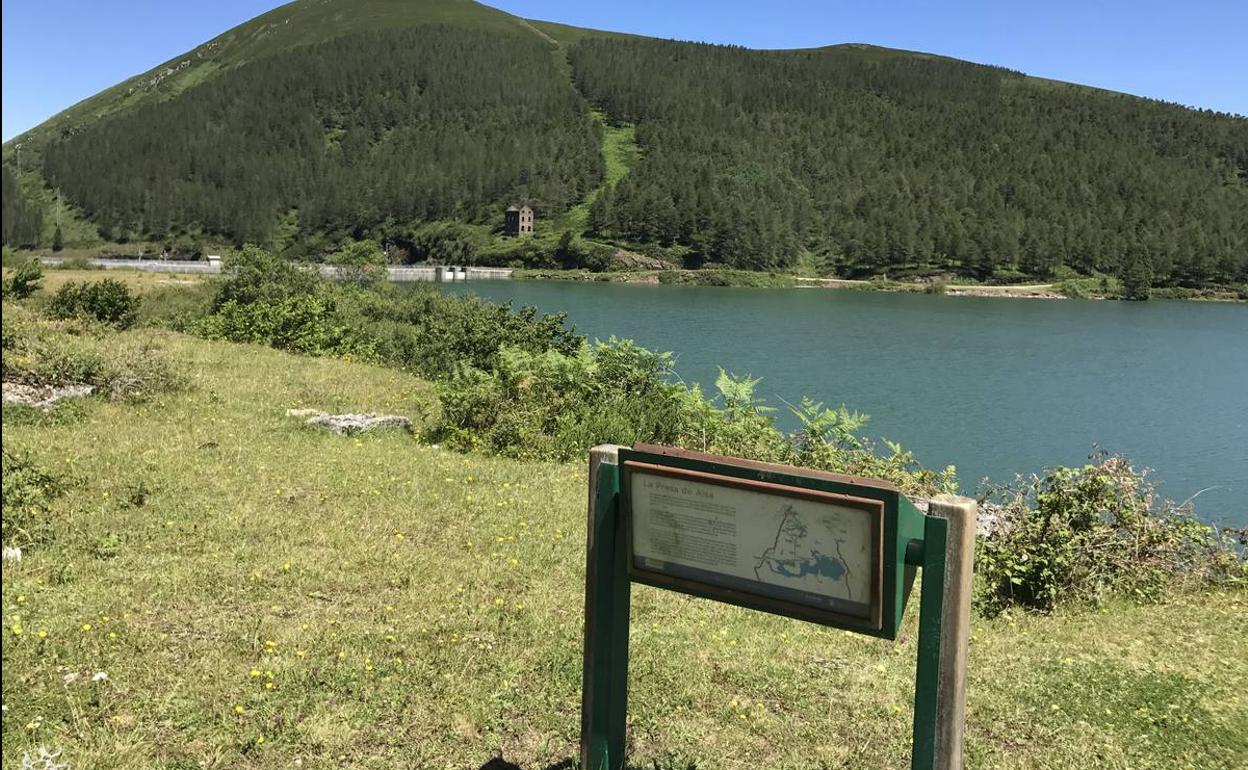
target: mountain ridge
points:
(850, 159)
(200, 60)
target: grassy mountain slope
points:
(331, 119)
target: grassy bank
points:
(136, 280)
(1082, 288)
(261, 594)
(744, 278)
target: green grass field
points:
(138, 281)
(264, 595)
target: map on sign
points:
(811, 549)
(807, 554)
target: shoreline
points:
(1079, 288)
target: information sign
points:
(827, 548)
(790, 550)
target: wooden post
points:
(605, 673)
(961, 515)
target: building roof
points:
(512, 208)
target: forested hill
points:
(328, 119)
(877, 160)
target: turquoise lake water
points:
(994, 386)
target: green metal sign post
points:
(896, 540)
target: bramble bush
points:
(37, 351)
(109, 302)
(28, 490)
(1082, 535)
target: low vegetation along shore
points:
(1071, 287)
(205, 581)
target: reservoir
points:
(994, 386)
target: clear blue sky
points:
(57, 52)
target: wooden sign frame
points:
(897, 522)
(743, 593)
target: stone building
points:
(518, 221)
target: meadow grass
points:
(261, 594)
(136, 280)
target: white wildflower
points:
(12, 553)
(99, 676)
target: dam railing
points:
(397, 273)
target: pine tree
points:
(1137, 279)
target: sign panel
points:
(824, 547)
(784, 548)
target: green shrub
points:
(269, 301)
(27, 492)
(24, 281)
(362, 263)
(425, 331)
(109, 302)
(939, 286)
(304, 324)
(1082, 535)
(554, 405)
(255, 275)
